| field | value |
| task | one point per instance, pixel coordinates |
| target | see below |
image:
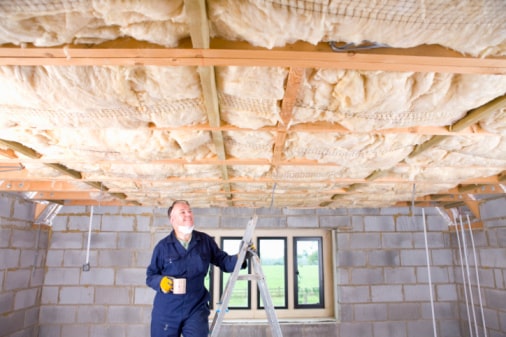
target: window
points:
(298, 276)
(307, 255)
(240, 297)
(272, 253)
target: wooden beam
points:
(38, 185)
(300, 55)
(470, 119)
(473, 205)
(429, 144)
(45, 212)
(445, 197)
(78, 195)
(18, 147)
(39, 208)
(481, 189)
(295, 77)
(293, 84)
(199, 32)
(24, 176)
(476, 115)
(199, 25)
(8, 167)
(93, 202)
(326, 127)
(65, 170)
(9, 153)
(477, 225)
(55, 195)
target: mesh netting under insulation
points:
(474, 27)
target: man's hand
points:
(166, 285)
(249, 253)
(251, 249)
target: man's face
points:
(181, 215)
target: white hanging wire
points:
(477, 276)
(86, 266)
(272, 197)
(36, 255)
(429, 274)
(463, 280)
(427, 255)
(464, 247)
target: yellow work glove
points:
(166, 284)
(249, 253)
(251, 250)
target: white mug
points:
(178, 286)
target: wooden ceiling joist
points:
(45, 212)
(9, 153)
(293, 84)
(471, 118)
(25, 177)
(205, 54)
(18, 147)
(199, 32)
(300, 55)
(325, 127)
(37, 185)
(476, 115)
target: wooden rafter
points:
(31, 153)
(24, 176)
(199, 32)
(293, 84)
(471, 118)
(476, 115)
(206, 53)
(9, 153)
(326, 127)
(301, 55)
(38, 185)
(18, 147)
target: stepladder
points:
(256, 274)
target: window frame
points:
(285, 271)
(221, 282)
(321, 283)
(289, 314)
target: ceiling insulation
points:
(141, 103)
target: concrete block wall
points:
(383, 276)
(382, 285)
(22, 258)
(382, 282)
(111, 299)
(490, 247)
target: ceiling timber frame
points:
(76, 187)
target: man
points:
(184, 254)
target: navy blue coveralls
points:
(187, 313)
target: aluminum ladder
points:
(257, 274)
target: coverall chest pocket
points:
(174, 266)
(204, 261)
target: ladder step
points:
(258, 275)
(249, 277)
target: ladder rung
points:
(249, 277)
(258, 275)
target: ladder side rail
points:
(266, 297)
(222, 306)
